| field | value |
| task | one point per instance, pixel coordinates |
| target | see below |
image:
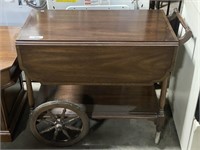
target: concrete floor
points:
(128, 134)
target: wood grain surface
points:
(96, 65)
(8, 53)
(93, 47)
(98, 27)
(9, 67)
(105, 101)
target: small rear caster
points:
(59, 123)
(157, 137)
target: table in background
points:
(13, 96)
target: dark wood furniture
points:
(104, 61)
(12, 94)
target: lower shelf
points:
(106, 101)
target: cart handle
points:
(188, 32)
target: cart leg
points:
(161, 115)
(30, 93)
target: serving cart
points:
(98, 65)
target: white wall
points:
(185, 81)
(11, 14)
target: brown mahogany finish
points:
(98, 48)
(97, 65)
(99, 27)
(8, 56)
(99, 101)
(12, 93)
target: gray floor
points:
(111, 134)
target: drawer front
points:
(96, 65)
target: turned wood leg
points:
(161, 115)
(30, 93)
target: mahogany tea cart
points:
(95, 64)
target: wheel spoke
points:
(38, 120)
(52, 116)
(63, 114)
(72, 120)
(45, 120)
(55, 134)
(66, 134)
(49, 121)
(73, 128)
(47, 129)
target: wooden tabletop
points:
(8, 53)
(125, 26)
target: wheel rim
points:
(59, 123)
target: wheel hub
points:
(59, 125)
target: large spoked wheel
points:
(59, 123)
